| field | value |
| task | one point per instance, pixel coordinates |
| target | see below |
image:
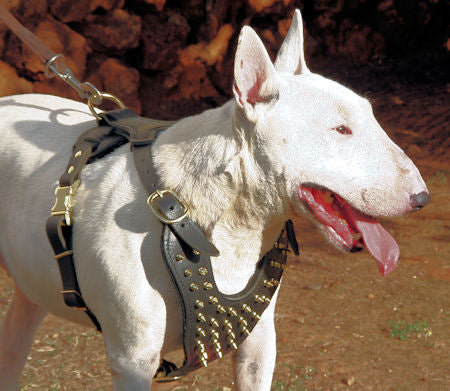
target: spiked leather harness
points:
(214, 323)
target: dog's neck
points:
(211, 162)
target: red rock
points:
(107, 5)
(159, 4)
(11, 83)
(69, 10)
(118, 30)
(162, 40)
(116, 78)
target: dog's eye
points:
(342, 129)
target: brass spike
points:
(232, 311)
(256, 316)
(179, 257)
(213, 322)
(71, 169)
(221, 309)
(278, 265)
(232, 342)
(207, 286)
(217, 348)
(245, 331)
(230, 334)
(196, 252)
(200, 345)
(213, 300)
(246, 308)
(199, 304)
(268, 283)
(201, 317)
(228, 324)
(188, 273)
(242, 321)
(266, 300)
(204, 362)
(193, 287)
(215, 334)
(259, 299)
(201, 332)
(275, 282)
(78, 154)
(203, 271)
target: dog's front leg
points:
(132, 364)
(254, 361)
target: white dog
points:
(290, 143)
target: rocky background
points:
(170, 58)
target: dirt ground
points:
(339, 324)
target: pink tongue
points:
(378, 241)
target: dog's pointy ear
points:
(291, 56)
(255, 78)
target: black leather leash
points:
(214, 323)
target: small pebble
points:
(348, 381)
(315, 286)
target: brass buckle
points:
(64, 201)
(158, 214)
(82, 308)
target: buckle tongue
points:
(158, 213)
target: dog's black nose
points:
(419, 200)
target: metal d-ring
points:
(103, 95)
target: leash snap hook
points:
(95, 101)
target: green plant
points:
(401, 329)
(297, 376)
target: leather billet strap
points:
(142, 132)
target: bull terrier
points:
(290, 143)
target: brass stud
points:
(232, 343)
(268, 283)
(262, 299)
(193, 287)
(188, 273)
(221, 309)
(199, 304)
(243, 322)
(201, 317)
(196, 252)
(246, 308)
(213, 300)
(214, 334)
(230, 334)
(232, 311)
(256, 316)
(278, 265)
(218, 348)
(179, 257)
(71, 169)
(203, 271)
(201, 332)
(275, 282)
(213, 322)
(207, 286)
(78, 154)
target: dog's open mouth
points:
(350, 228)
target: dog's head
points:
(330, 158)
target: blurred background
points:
(339, 324)
(171, 58)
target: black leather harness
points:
(214, 323)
